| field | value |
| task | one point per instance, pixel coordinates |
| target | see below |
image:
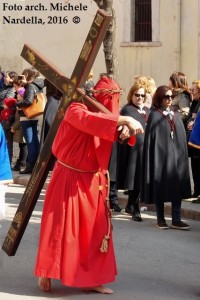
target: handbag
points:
(36, 108)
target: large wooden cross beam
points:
(71, 91)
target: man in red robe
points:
(76, 243)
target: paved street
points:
(152, 264)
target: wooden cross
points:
(71, 89)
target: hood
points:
(107, 92)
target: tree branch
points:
(109, 40)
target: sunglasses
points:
(139, 95)
(169, 96)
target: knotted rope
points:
(104, 245)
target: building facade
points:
(153, 37)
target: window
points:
(141, 23)
(143, 26)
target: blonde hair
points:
(152, 85)
(197, 82)
(136, 86)
(147, 82)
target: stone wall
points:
(11, 39)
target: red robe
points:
(74, 219)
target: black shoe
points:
(180, 225)
(162, 225)
(26, 170)
(137, 217)
(129, 209)
(115, 207)
(17, 166)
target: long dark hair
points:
(159, 95)
(179, 81)
(30, 74)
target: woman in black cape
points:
(129, 158)
(165, 169)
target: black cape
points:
(50, 111)
(129, 158)
(165, 168)
(113, 163)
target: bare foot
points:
(44, 284)
(98, 289)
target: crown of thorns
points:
(108, 91)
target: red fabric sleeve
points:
(97, 124)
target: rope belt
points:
(83, 171)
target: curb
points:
(186, 213)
